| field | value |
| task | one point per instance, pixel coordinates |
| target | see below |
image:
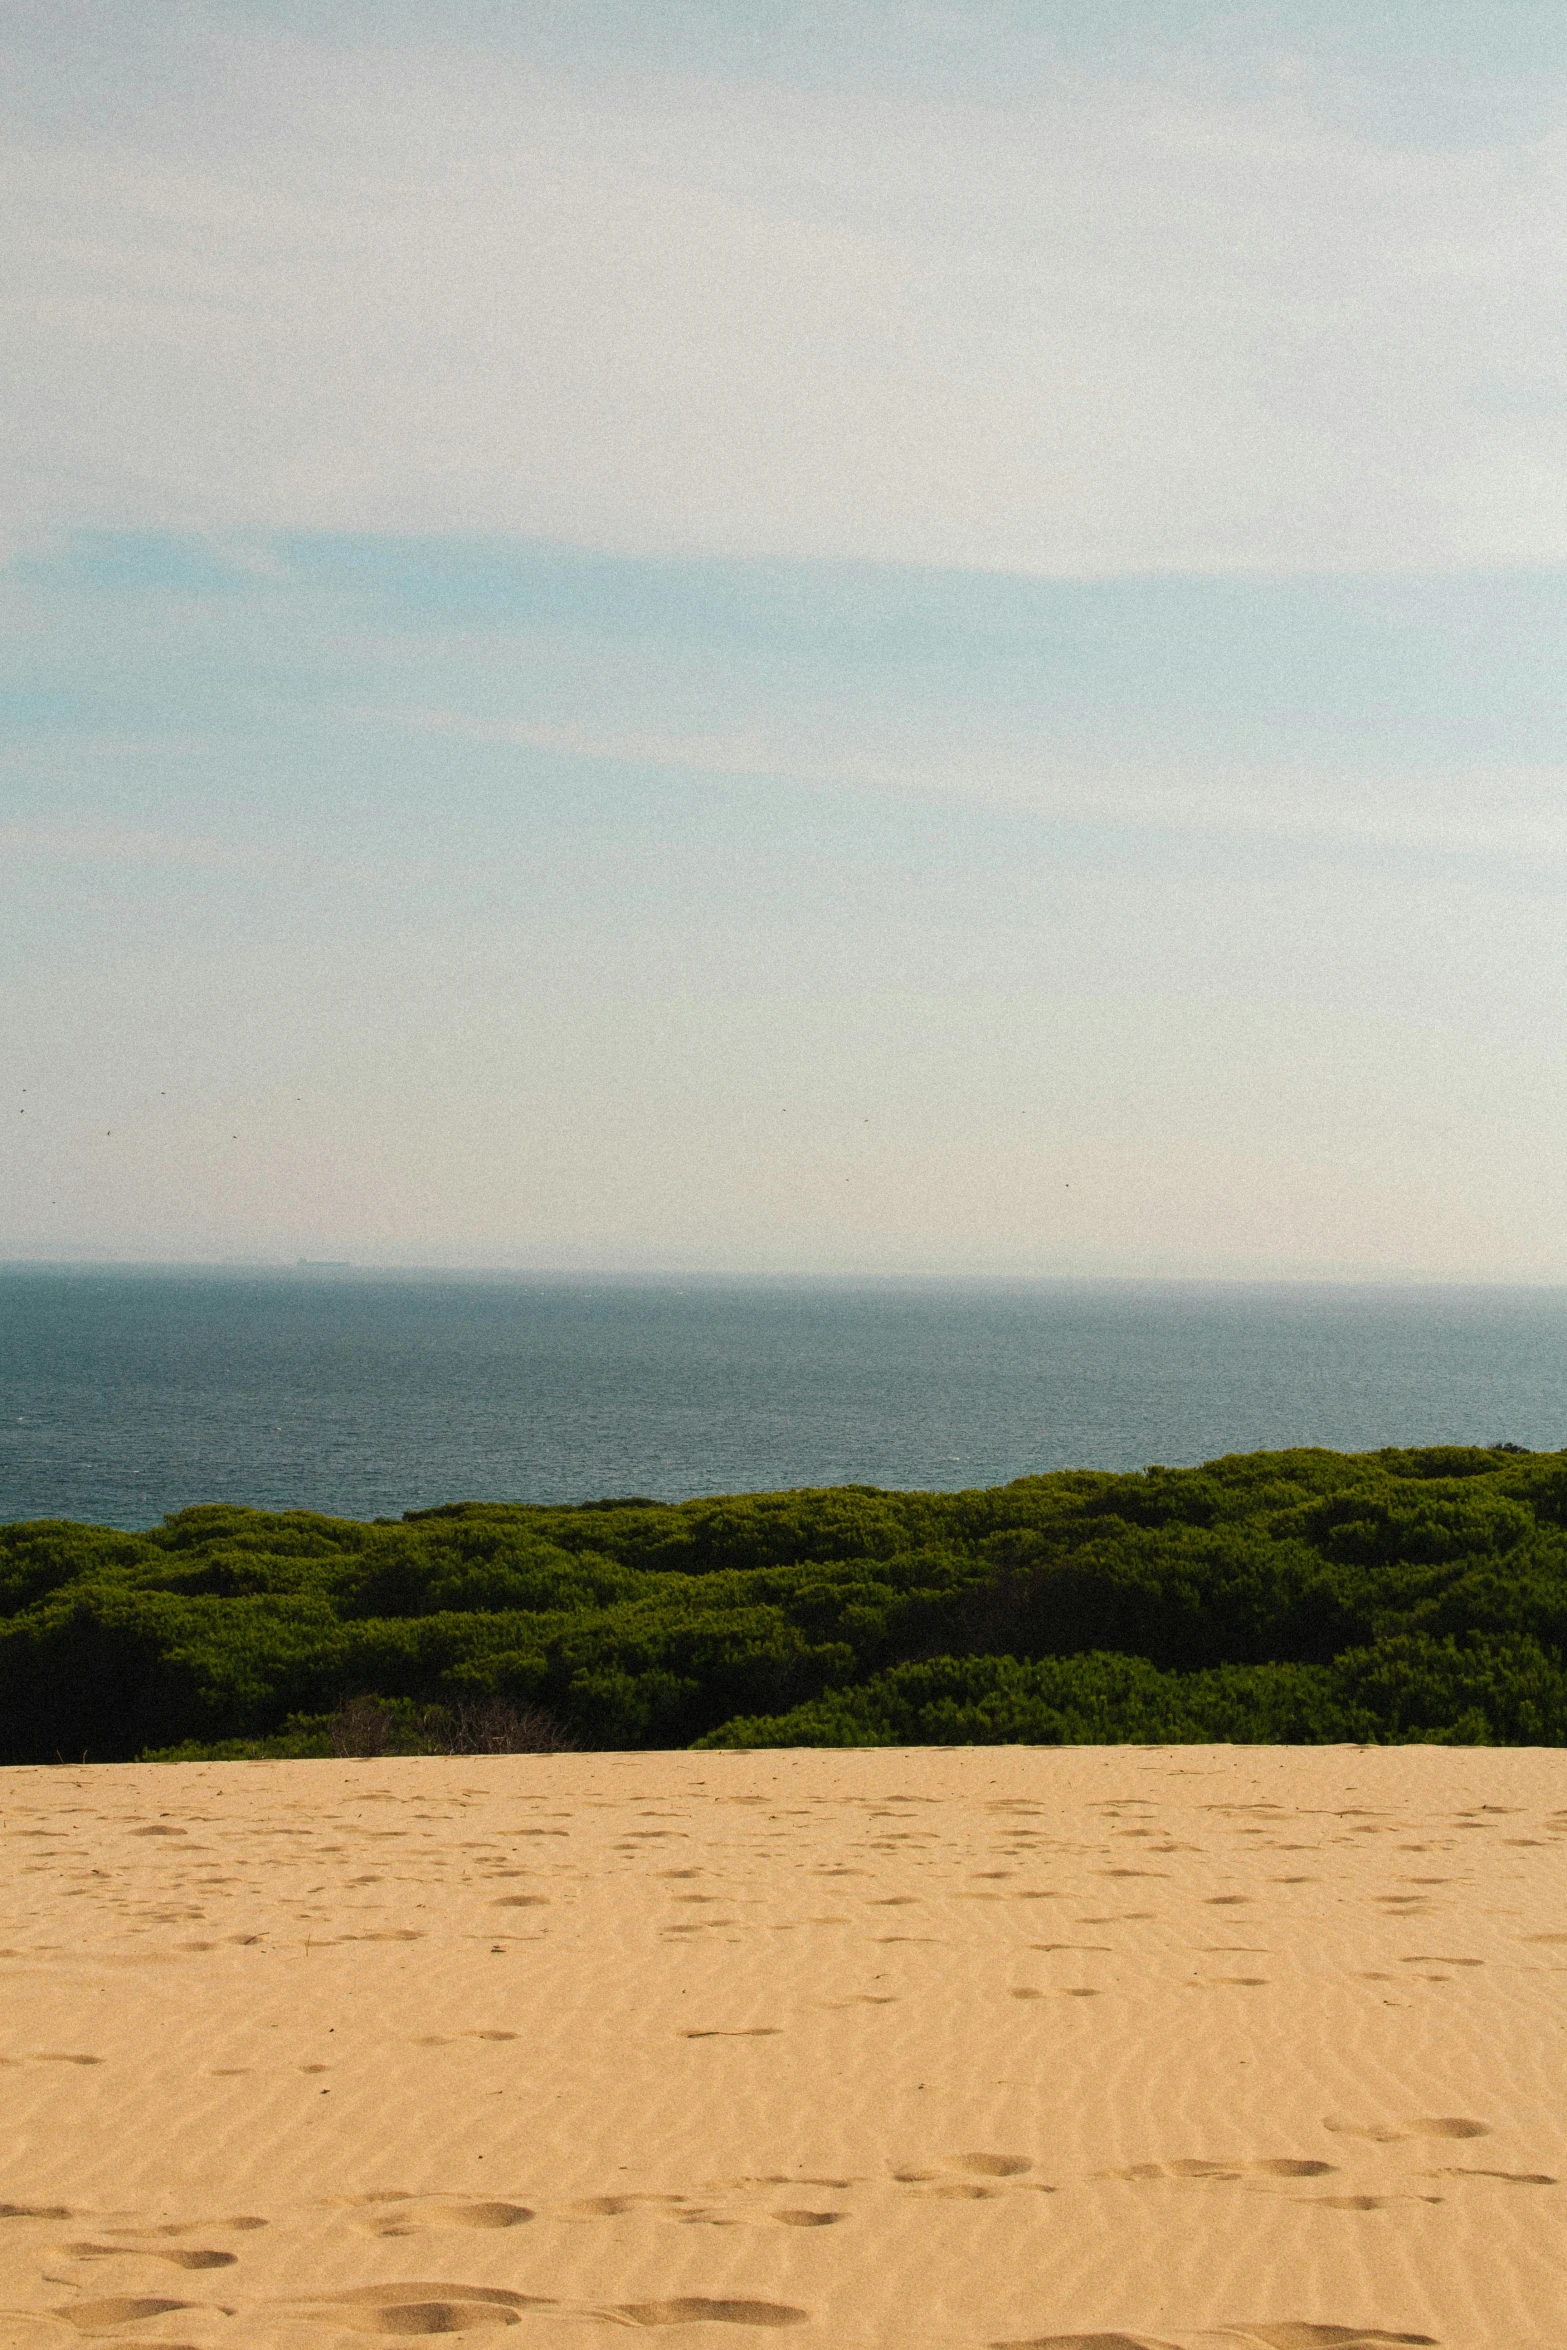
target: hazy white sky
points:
(874, 638)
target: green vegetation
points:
(1297, 1596)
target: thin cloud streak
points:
(1114, 327)
(1520, 812)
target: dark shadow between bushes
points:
(369, 1727)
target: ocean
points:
(127, 1394)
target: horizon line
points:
(357, 1269)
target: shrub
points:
(1269, 1596)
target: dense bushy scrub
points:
(1476, 1693)
(1301, 1596)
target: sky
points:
(759, 637)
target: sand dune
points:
(1247, 2049)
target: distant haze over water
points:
(125, 1394)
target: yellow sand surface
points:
(1210, 2047)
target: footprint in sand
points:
(955, 2190)
(744, 2032)
(967, 2189)
(107, 2317)
(1394, 2133)
(190, 2227)
(412, 2215)
(1511, 2178)
(422, 2308)
(425, 2317)
(771, 2179)
(1085, 2342)
(1303, 2336)
(691, 2310)
(1288, 2336)
(1272, 2166)
(450, 2039)
(185, 2258)
(616, 2206)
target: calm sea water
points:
(124, 1395)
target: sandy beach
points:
(917, 2050)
